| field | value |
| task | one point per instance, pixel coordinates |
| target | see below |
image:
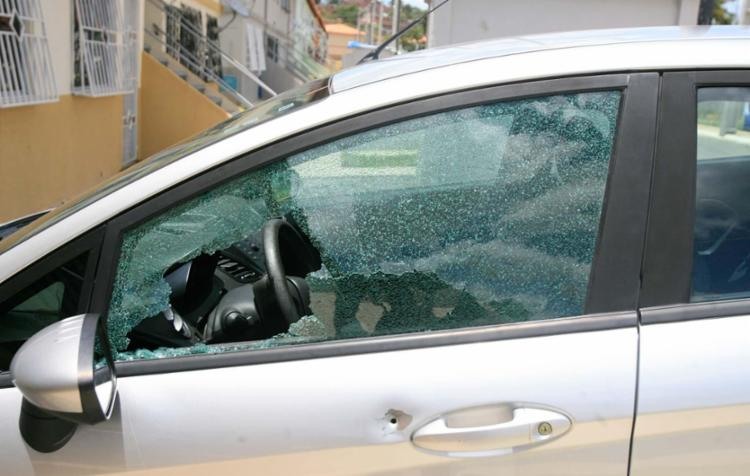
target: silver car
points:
(526, 256)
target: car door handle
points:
(491, 430)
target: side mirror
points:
(66, 375)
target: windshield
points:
(263, 112)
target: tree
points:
(347, 13)
(720, 15)
(412, 38)
(713, 12)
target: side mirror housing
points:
(65, 372)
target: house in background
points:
(339, 36)
(243, 45)
(283, 42)
(471, 20)
(87, 87)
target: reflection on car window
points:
(477, 216)
(721, 254)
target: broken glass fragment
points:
(308, 329)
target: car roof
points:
(474, 51)
(388, 81)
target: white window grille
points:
(26, 75)
(105, 49)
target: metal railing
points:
(296, 61)
(192, 63)
(299, 63)
(26, 75)
(201, 59)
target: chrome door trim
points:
(369, 345)
(694, 311)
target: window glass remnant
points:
(477, 216)
(307, 330)
(206, 224)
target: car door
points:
(694, 386)
(473, 311)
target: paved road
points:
(711, 145)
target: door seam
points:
(654, 150)
(637, 383)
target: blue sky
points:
(731, 6)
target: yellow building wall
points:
(170, 110)
(213, 6)
(338, 44)
(52, 152)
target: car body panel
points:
(693, 398)
(694, 371)
(502, 47)
(330, 415)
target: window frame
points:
(614, 280)
(90, 242)
(272, 53)
(668, 257)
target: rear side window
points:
(476, 216)
(721, 254)
(52, 297)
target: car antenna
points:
(374, 54)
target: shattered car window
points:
(477, 216)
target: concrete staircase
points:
(208, 88)
(186, 51)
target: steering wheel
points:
(289, 257)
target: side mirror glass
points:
(66, 370)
